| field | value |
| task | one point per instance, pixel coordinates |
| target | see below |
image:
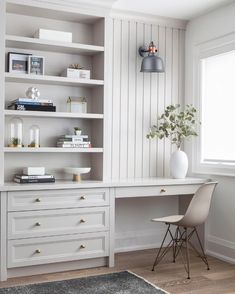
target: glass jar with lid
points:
(15, 132)
(34, 136)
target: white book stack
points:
(73, 141)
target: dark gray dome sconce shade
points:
(151, 62)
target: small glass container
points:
(15, 132)
(34, 136)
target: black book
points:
(29, 181)
(33, 107)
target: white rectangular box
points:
(34, 171)
(76, 73)
(53, 35)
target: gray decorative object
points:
(151, 62)
(116, 283)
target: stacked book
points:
(27, 179)
(73, 141)
(34, 175)
(32, 104)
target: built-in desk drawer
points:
(29, 224)
(52, 199)
(56, 249)
(142, 191)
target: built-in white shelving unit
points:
(53, 46)
(52, 150)
(51, 80)
(53, 114)
(88, 49)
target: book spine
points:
(74, 137)
(33, 100)
(74, 145)
(29, 181)
(34, 107)
(73, 140)
(33, 103)
(34, 177)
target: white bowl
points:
(77, 170)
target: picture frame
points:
(18, 62)
(36, 65)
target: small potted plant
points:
(176, 125)
(77, 131)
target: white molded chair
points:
(195, 215)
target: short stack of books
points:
(32, 104)
(73, 141)
(34, 175)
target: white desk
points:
(25, 245)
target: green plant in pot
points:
(77, 131)
(176, 124)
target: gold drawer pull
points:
(38, 200)
(82, 247)
(83, 197)
(37, 251)
(162, 190)
(82, 221)
(38, 224)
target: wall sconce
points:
(151, 62)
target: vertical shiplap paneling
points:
(139, 107)
(124, 83)
(117, 46)
(146, 107)
(139, 98)
(176, 69)
(153, 110)
(132, 68)
(161, 100)
(168, 91)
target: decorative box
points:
(76, 73)
(53, 35)
(77, 104)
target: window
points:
(217, 75)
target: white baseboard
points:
(138, 240)
(221, 249)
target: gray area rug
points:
(115, 283)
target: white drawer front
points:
(50, 199)
(125, 192)
(29, 224)
(57, 249)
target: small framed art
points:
(18, 62)
(36, 65)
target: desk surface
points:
(143, 182)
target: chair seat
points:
(171, 219)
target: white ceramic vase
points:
(179, 164)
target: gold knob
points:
(37, 251)
(162, 190)
(38, 224)
(82, 221)
(37, 200)
(83, 197)
(82, 247)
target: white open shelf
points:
(51, 80)
(53, 114)
(52, 150)
(53, 46)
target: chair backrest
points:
(199, 206)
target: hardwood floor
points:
(171, 277)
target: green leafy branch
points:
(176, 124)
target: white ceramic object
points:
(179, 164)
(78, 132)
(76, 172)
(32, 93)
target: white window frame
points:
(204, 50)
